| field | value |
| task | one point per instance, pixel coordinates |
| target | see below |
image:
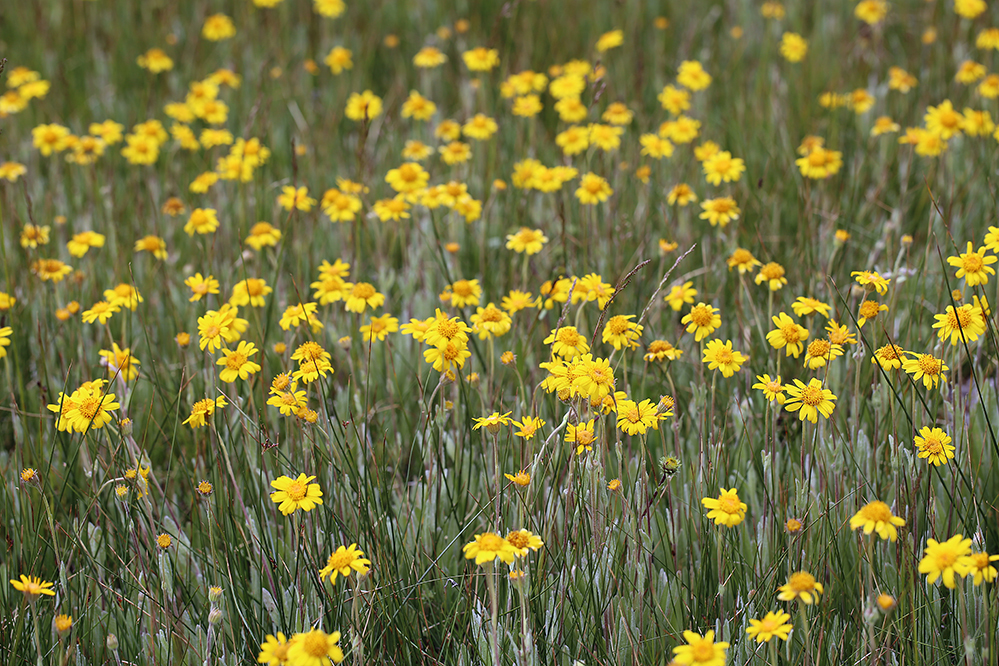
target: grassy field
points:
(545, 332)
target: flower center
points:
(811, 396)
(235, 361)
(772, 271)
(972, 263)
(729, 504)
(701, 315)
(491, 542)
(932, 444)
(491, 314)
(462, 288)
(929, 365)
(584, 437)
(818, 348)
(802, 582)
(792, 333)
(702, 651)
(296, 491)
(869, 309)
(315, 644)
(517, 539)
(363, 291)
(568, 337)
(878, 512)
(723, 356)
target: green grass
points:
(622, 573)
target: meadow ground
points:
(498, 332)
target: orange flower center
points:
(701, 315)
(802, 582)
(929, 365)
(869, 309)
(819, 348)
(296, 491)
(877, 511)
(315, 644)
(811, 396)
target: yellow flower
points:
(869, 310)
(481, 59)
(100, 311)
(521, 478)
(801, 585)
(810, 400)
(635, 418)
(675, 100)
(315, 647)
(964, 323)
(946, 560)
(702, 320)
(417, 106)
(119, 361)
(888, 357)
(294, 494)
(691, 75)
(339, 59)
(610, 40)
(934, 445)
(582, 435)
(218, 27)
(700, 650)
(363, 106)
(203, 409)
(660, 350)
(723, 167)
(429, 57)
(32, 586)
(83, 241)
(720, 356)
(793, 47)
(155, 60)
(926, 367)
(727, 510)
(236, 362)
(973, 266)
(488, 547)
(567, 343)
(523, 541)
(820, 163)
(871, 12)
(720, 211)
(292, 198)
(493, 422)
(772, 388)
(343, 561)
(876, 516)
(788, 335)
(202, 221)
(772, 625)
(981, 567)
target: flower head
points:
(294, 494)
(727, 510)
(801, 585)
(877, 516)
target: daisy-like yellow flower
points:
(567, 342)
(203, 409)
(788, 335)
(119, 361)
(493, 422)
(83, 241)
(869, 310)
(820, 352)
(926, 367)
(723, 167)
(680, 294)
(965, 322)
(481, 59)
(339, 59)
(720, 356)
(528, 426)
(973, 266)
(465, 292)
(593, 189)
(523, 542)
(378, 328)
(884, 125)
(981, 567)
(100, 311)
(773, 625)
(793, 47)
(720, 211)
(743, 260)
(621, 332)
(202, 221)
(526, 240)
(274, 650)
(773, 275)
(582, 435)
(810, 400)
(362, 295)
(343, 561)
(32, 586)
(214, 327)
(934, 445)
(635, 418)
(262, 234)
(700, 650)
(727, 510)
(661, 350)
(871, 281)
(877, 516)
(593, 378)
(292, 198)
(820, 163)
(363, 106)
(702, 320)
(294, 494)
(681, 195)
(801, 585)
(772, 388)
(805, 305)
(889, 357)
(315, 647)
(691, 75)
(521, 478)
(201, 286)
(488, 547)
(237, 364)
(946, 560)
